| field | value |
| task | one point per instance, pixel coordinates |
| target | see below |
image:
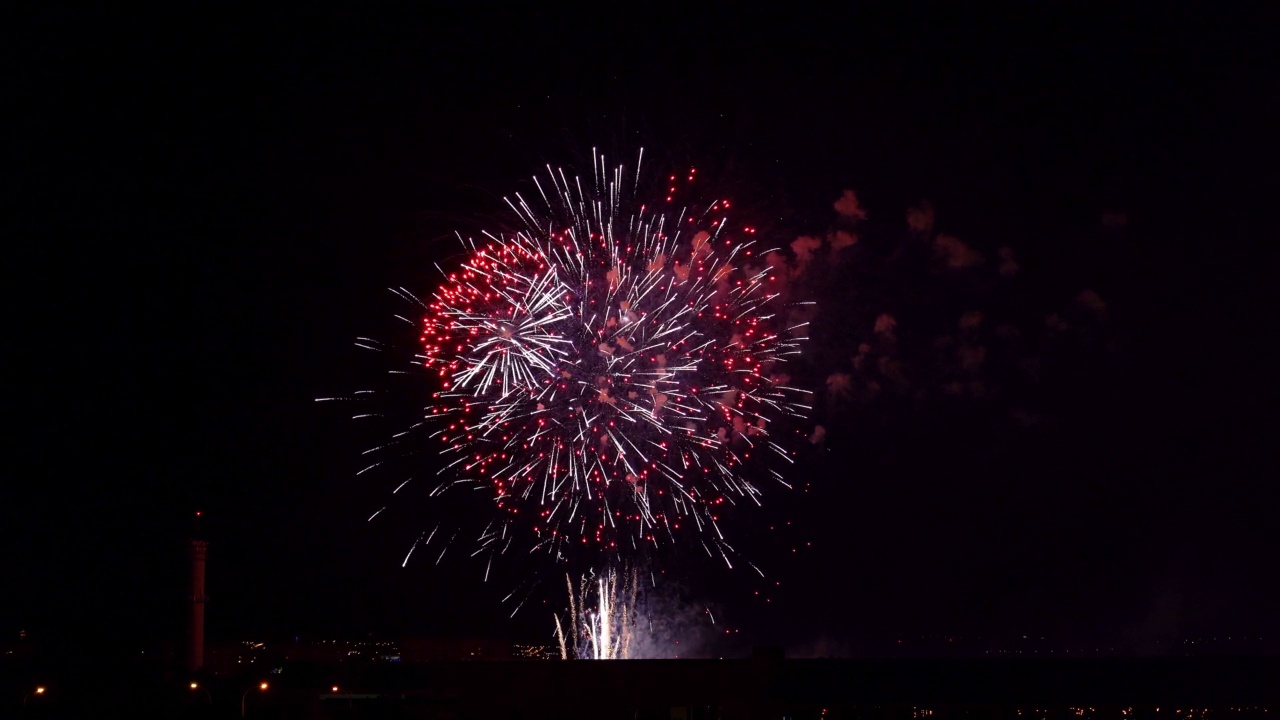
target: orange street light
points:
(195, 687)
(262, 686)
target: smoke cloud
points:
(923, 317)
(847, 206)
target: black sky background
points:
(204, 208)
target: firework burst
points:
(610, 373)
(602, 617)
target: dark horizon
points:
(207, 211)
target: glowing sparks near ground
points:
(602, 618)
(610, 374)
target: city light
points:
(262, 685)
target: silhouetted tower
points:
(199, 549)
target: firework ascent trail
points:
(610, 373)
(606, 629)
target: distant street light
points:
(195, 686)
(39, 690)
(262, 687)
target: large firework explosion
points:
(610, 373)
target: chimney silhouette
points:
(199, 549)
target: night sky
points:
(204, 209)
